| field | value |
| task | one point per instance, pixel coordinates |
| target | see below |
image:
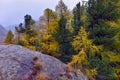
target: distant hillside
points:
(3, 32)
(11, 27)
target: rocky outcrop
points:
(16, 62)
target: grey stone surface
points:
(15, 62)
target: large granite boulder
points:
(16, 62)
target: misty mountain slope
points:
(11, 27)
(3, 32)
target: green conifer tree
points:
(99, 12)
(76, 21)
(62, 37)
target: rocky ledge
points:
(16, 64)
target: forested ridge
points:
(86, 38)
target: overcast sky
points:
(13, 11)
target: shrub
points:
(35, 57)
(91, 73)
(104, 70)
(68, 69)
(38, 65)
(41, 76)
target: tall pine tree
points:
(62, 37)
(28, 36)
(61, 8)
(99, 13)
(76, 21)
